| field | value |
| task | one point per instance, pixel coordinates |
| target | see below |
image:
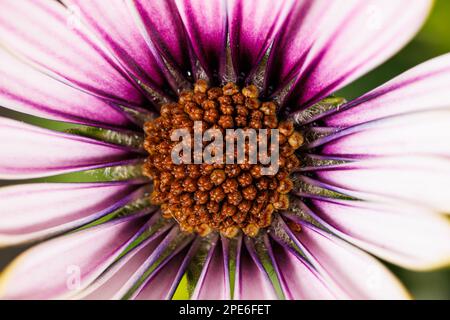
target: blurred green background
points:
(433, 40)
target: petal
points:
(65, 265)
(111, 281)
(48, 35)
(27, 151)
(123, 39)
(327, 45)
(252, 281)
(404, 235)
(424, 133)
(108, 288)
(213, 283)
(253, 26)
(163, 285)
(298, 279)
(163, 27)
(32, 211)
(422, 88)
(349, 271)
(206, 26)
(24, 89)
(421, 181)
(172, 244)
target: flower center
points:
(225, 196)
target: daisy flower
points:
(357, 180)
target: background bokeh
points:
(433, 40)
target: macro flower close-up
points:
(102, 93)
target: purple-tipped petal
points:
(24, 89)
(253, 26)
(111, 281)
(251, 280)
(213, 283)
(162, 286)
(51, 37)
(32, 211)
(162, 26)
(206, 26)
(173, 243)
(165, 281)
(348, 271)
(422, 88)
(113, 23)
(404, 235)
(298, 279)
(423, 133)
(65, 265)
(107, 288)
(423, 181)
(27, 151)
(326, 45)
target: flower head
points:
(123, 77)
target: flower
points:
(372, 176)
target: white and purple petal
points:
(163, 28)
(298, 278)
(251, 280)
(168, 248)
(405, 235)
(325, 45)
(252, 26)
(113, 24)
(422, 88)
(420, 180)
(421, 133)
(349, 272)
(109, 284)
(24, 89)
(214, 281)
(63, 266)
(28, 152)
(164, 283)
(206, 27)
(51, 37)
(33, 211)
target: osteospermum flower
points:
(360, 178)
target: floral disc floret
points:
(222, 197)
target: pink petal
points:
(65, 265)
(206, 26)
(32, 211)
(169, 247)
(351, 272)
(214, 282)
(422, 88)
(424, 133)
(24, 89)
(164, 283)
(48, 35)
(109, 284)
(162, 26)
(299, 280)
(326, 45)
(29, 151)
(119, 274)
(422, 181)
(404, 235)
(253, 26)
(251, 280)
(123, 39)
